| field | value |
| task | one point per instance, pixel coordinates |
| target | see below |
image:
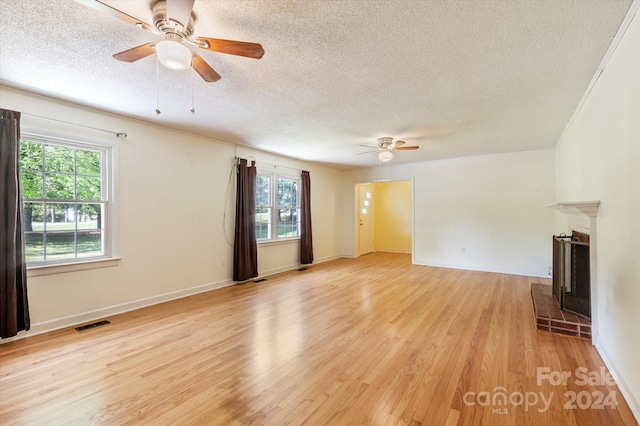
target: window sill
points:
(37, 271)
(268, 243)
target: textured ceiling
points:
(458, 78)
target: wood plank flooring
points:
(373, 340)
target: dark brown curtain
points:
(14, 306)
(245, 250)
(306, 241)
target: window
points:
(65, 203)
(277, 208)
(263, 207)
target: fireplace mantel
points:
(570, 208)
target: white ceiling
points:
(458, 78)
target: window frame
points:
(273, 207)
(108, 257)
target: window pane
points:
(60, 245)
(58, 159)
(88, 188)
(31, 184)
(288, 223)
(30, 156)
(33, 217)
(33, 246)
(88, 162)
(90, 216)
(60, 217)
(89, 243)
(262, 191)
(263, 222)
(287, 190)
(59, 187)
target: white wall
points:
(170, 209)
(599, 159)
(490, 206)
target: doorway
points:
(384, 217)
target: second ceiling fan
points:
(174, 20)
(386, 146)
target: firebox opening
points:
(571, 273)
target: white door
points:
(366, 230)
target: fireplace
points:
(575, 283)
(571, 273)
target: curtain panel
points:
(14, 305)
(245, 248)
(306, 240)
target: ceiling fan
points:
(174, 20)
(386, 146)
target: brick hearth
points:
(549, 317)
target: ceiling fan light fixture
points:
(385, 155)
(173, 54)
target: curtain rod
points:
(118, 134)
(273, 165)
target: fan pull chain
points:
(157, 86)
(193, 108)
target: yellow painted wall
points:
(393, 216)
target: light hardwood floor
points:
(373, 340)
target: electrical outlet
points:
(223, 261)
(464, 249)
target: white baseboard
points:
(478, 269)
(269, 272)
(76, 319)
(275, 271)
(326, 259)
(631, 399)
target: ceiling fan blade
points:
(408, 148)
(207, 73)
(136, 53)
(180, 10)
(98, 5)
(232, 47)
(398, 143)
(368, 152)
